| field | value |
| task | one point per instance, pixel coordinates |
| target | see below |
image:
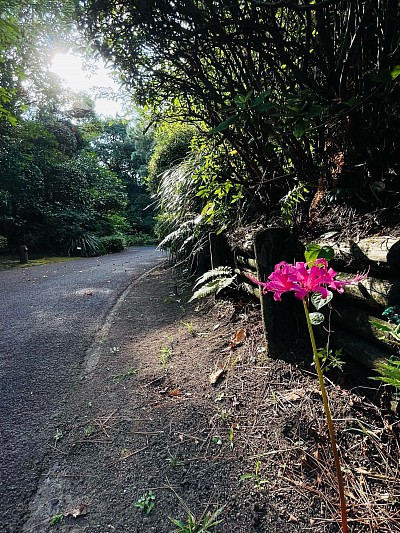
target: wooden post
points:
(23, 254)
(272, 246)
(221, 254)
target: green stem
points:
(329, 421)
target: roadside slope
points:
(145, 426)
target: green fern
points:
(213, 281)
(218, 272)
(177, 235)
(389, 372)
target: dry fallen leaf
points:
(125, 453)
(237, 338)
(214, 376)
(293, 395)
(81, 510)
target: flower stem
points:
(329, 421)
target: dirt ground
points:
(148, 438)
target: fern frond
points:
(218, 272)
(186, 242)
(213, 281)
(177, 235)
(207, 289)
(389, 372)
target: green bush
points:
(140, 239)
(113, 243)
(3, 243)
(86, 244)
(172, 146)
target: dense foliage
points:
(305, 94)
(69, 182)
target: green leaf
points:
(386, 76)
(311, 253)
(319, 302)
(259, 99)
(315, 251)
(299, 129)
(240, 101)
(313, 112)
(326, 252)
(381, 327)
(224, 125)
(56, 519)
(246, 476)
(262, 108)
(178, 523)
(316, 318)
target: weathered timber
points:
(248, 262)
(373, 292)
(360, 350)
(379, 253)
(221, 254)
(246, 244)
(358, 321)
(244, 283)
(250, 289)
(272, 246)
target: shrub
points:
(3, 242)
(85, 244)
(113, 243)
(140, 239)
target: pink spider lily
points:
(303, 280)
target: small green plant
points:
(219, 397)
(291, 201)
(202, 525)
(390, 333)
(389, 371)
(175, 462)
(86, 244)
(331, 359)
(217, 440)
(190, 328)
(88, 430)
(224, 416)
(213, 281)
(231, 436)
(130, 372)
(146, 502)
(164, 356)
(255, 476)
(58, 436)
(56, 519)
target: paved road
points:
(48, 319)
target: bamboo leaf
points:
(224, 125)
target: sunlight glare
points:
(70, 69)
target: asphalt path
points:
(49, 316)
